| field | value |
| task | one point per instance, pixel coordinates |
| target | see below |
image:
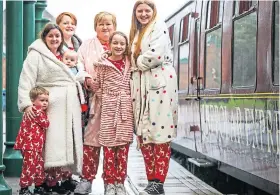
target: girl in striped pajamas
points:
(112, 85)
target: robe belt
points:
(68, 85)
(121, 103)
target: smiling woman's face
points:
(53, 40)
(68, 26)
(144, 14)
(105, 28)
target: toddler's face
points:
(42, 101)
(69, 59)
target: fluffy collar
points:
(39, 46)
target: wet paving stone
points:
(179, 181)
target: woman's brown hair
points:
(136, 25)
(45, 31)
(60, 16)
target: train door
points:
(194, 67)
(194, 82)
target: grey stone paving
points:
(179, 181)
(13, 183)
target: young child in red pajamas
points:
(112, 85)
(30, 141)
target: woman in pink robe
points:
(89, 53)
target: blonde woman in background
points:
(154, 92)
(89, 53)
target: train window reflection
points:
(214, 13)
(184, 30)
(184, 67)
(242, 6)
(198, 45)
(276, 44)
(221, 10)
(213, 59)
(244, 50)
(171, 31)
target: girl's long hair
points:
(136, 25)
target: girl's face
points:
(53, 40)
(67, 26)
(118, 45)
(105, 28)
(144, 14)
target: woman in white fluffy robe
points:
(63, 147)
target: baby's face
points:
(69, 60)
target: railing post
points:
(14, 12)
(39, 20)
(28, 24)
(4, 188)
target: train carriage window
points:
(213, 45)
(171, 34)
(221, 11)
(242, 6)
(184, 30)
(244, 50)
(213, 59)
(198, 44)
(214, 13)
(276, 44)
(184, 51)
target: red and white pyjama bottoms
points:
(156, 158)
(115, 164)
(56, 174)
(32, 169)
(90, 162)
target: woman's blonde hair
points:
(36, 91)
(136, 25)
(101, 15)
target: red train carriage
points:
(227, 58)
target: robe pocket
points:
(109, 106)
(157, 79)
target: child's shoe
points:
(83, 187)
(156, 188)
(149, 184)
(120, 189)
(69, 184)
(110, 189)
(57, 188)
(25, 191)
(40, 190)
